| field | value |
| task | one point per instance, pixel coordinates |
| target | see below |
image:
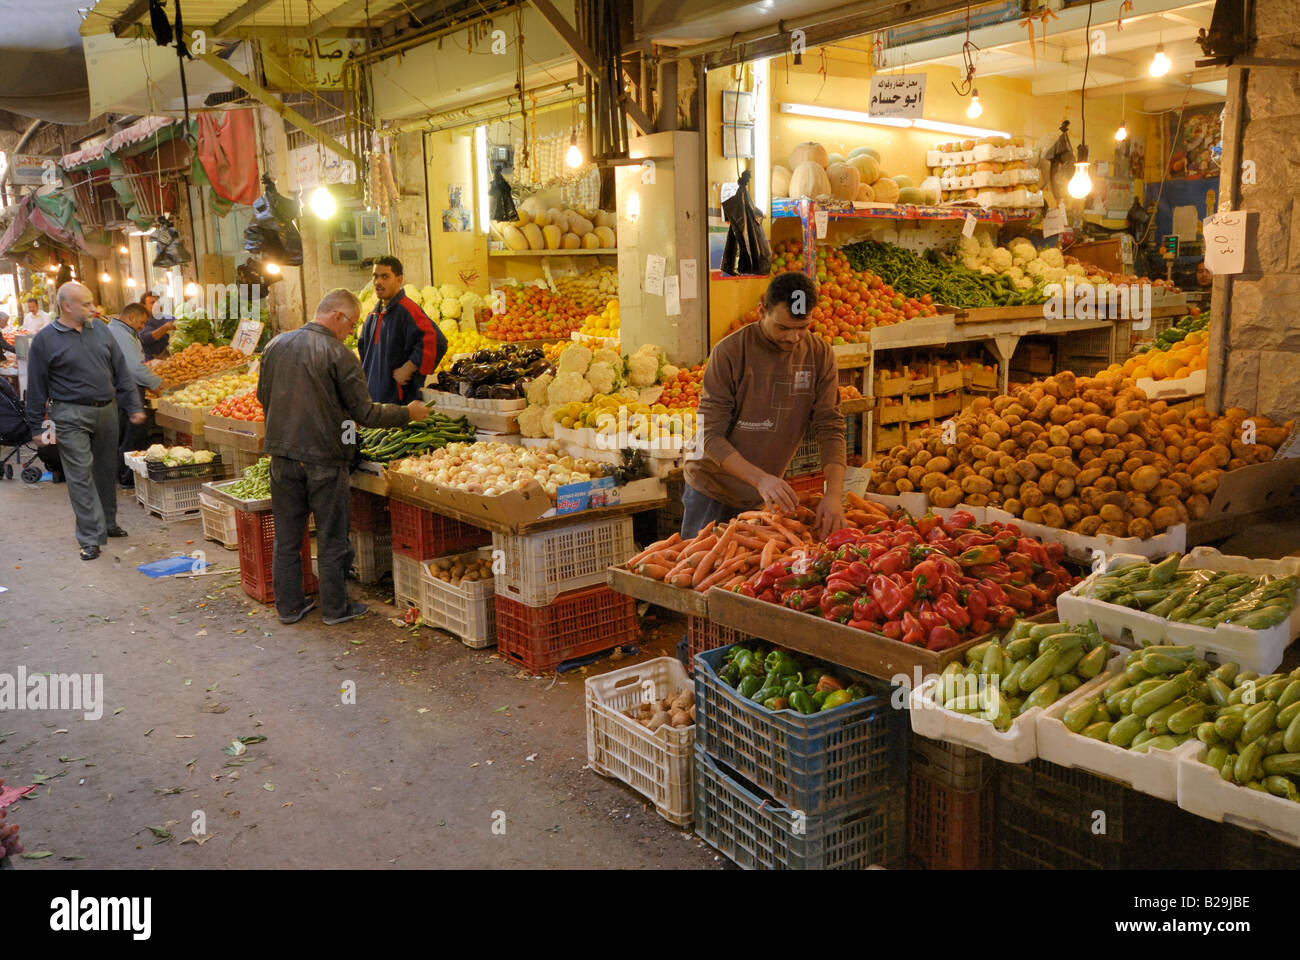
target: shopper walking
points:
(398, 340)
(764, 387)
(77, 366)
(314, 393)
(132, 436)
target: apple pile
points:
(534, 313)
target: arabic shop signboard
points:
(897, 96)
(311, 64)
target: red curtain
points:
(228, 152)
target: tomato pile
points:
(243, 407)
(682, 392)
(534, 313)
(849, 302)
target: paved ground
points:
(441, 744)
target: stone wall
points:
(1263, 356)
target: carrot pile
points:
(726, 555)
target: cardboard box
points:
(241, 434)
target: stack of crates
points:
(703, 634)
(950, 823)
(256, 533)
(551, 601)
(418, 535)
(780, 790)
(371, 534)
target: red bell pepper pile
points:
(928, 581)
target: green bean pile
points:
(913, 275)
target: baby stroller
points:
(16, 434)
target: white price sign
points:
(1054, 221)
(1225, 243)
(246, 337)
(968, 228)
(821, 218)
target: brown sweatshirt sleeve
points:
(827, 421)
(718, 405)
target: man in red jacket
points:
(397, 341)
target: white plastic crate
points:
(136, 463)
(171, 500)
(1257, 650)
(236, 461)
(468, 609)
(406, 581)
(218, 521)
(372, 553)
(1203, 792)
(540, 566)
(657, 765)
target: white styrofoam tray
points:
(1192, 385)
(1201, 791)
(1154, 772)
(1257, 650)
(1173, 540)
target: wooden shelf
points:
(847, 210)
(603, 251)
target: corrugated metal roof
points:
(269, 14)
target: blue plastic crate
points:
(812, 763)
(734, 818)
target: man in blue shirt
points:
(155, 336)
(398, 340)
(77, 367)
(131, 436)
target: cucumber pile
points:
(386, 444)
(256, 482)
(1255, 737)
(1203, 598)
(1034, 665)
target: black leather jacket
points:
(314, 393)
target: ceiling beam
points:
(139, 31)
(123, 24)
(275, 103)
(237, 16)
(342, 11)
(568, 36)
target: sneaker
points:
(354, 611)
(308, 607)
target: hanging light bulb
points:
(191, 289)
(1121, 132)
(123, 249)
(974, 110)
(130, 282)
(1160, 63)
(271, 268)
(1080, 184)
(322, 203)
(573, 156)
(105, 277)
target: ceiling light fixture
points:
(105, 277)
(1160, 63)
(1080, 184)
(573, 156)
(322, 203)
(272, 269)
(974, 110)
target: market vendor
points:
(398, 340)
(764, 386)
(155, 336)
(314, 395)
(132, 436)
(35, 319)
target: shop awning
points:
(137, 132)
(52, 218)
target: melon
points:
(533, 234)
(780, 181)
(605, 219)
(809, 150)
(605, 238)
(868, 167)
(514, 237)
(865, 193)
(558, 219)
(571, 241)
(886, 190)
(864, 151)
(552, 234)
(590, 241)
(579, 225)
(542, 217)
(902, 181)
(912, 195)
(809, 180)
(844, 181)
(834, 158)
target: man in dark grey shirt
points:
(315, 397)
(76, 365)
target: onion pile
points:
(491, 469)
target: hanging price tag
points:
(1225, 242)
(246, 336)
(968, 228)
(672, 296)
(822, 218)
(1054, 221)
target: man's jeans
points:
(297, 489)
(698, 511)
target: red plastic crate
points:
(574, 624)
(703, 634)
(808, 482)
(256, 531)
(422, 534)
(369, 512)
(949, 829)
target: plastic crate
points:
(813, 763)
(407, 589)
(171, 500)
(808, 482)
(807, 457)
(540, 566)
(422, 534)
(950, 764)
(372, 554)
(218, 521)
(703, 634)
(656, 765)
(467, 609)
(949, 829)
(370, 512)
(158, 473)
(734, 818)
(257, 553)
(572, 625)
(236, 460)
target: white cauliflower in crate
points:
(203, 456)
(643, 366)
(601, 376)
(1000, 259)
(156, 453)
(536, 389)
(574, 359)
(449, 308)
(568, 387)
(1052, 257)
(530, 421)
(1022, 251)
(606, 355)
(181, 454)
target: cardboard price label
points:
(821, 218)
(1225, 243)
(246, 336)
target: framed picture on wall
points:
(737, 107)
(737, 140)
(369, 226)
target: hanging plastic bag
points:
(503, 204)
(171, 251)
(746, 250)
(272, 234)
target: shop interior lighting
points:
(122, 249)
(974, 110)
(105, 277)
(140, 233)
(1080, 184)
(1121, 132)
(52, 268)
(939, 126)
(573, 156)
(322, 203)
(856, 116)
(191, 289)
(130, 282)
(1160, 63)
(271, 268)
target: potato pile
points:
(677, 711)
(467, 566)
(1087, 454)
(592, 289)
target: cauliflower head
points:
(668, 372)
(469, 301)
(1036, 268)
(203, 456)
(1052, 257)
(548, 420)
(574, 359)
(449, 291)
(156, 453)
(601, 377)
(629, 395)
(530, 420)
(1023, 283)
(971, 263)
(968, 247)
(568, 387)
(1001, 259)
(987, 270)
(1076, 270)
(1022, 251)
(536, 389)
(642, 369)
(449, 308)
(606, 355)
(1015, 272)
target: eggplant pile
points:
(498, 374)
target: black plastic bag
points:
(272, 234)
(503, 204)
(746, 250)
(170, 249)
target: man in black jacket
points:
(314, 393)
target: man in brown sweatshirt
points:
(763, 387)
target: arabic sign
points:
(897, 96)
(28, 169)
(295, 64)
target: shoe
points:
(127, 483)
(116, 531)
(90, 553)
(354, 611)
(294, 618)
(57, 478)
